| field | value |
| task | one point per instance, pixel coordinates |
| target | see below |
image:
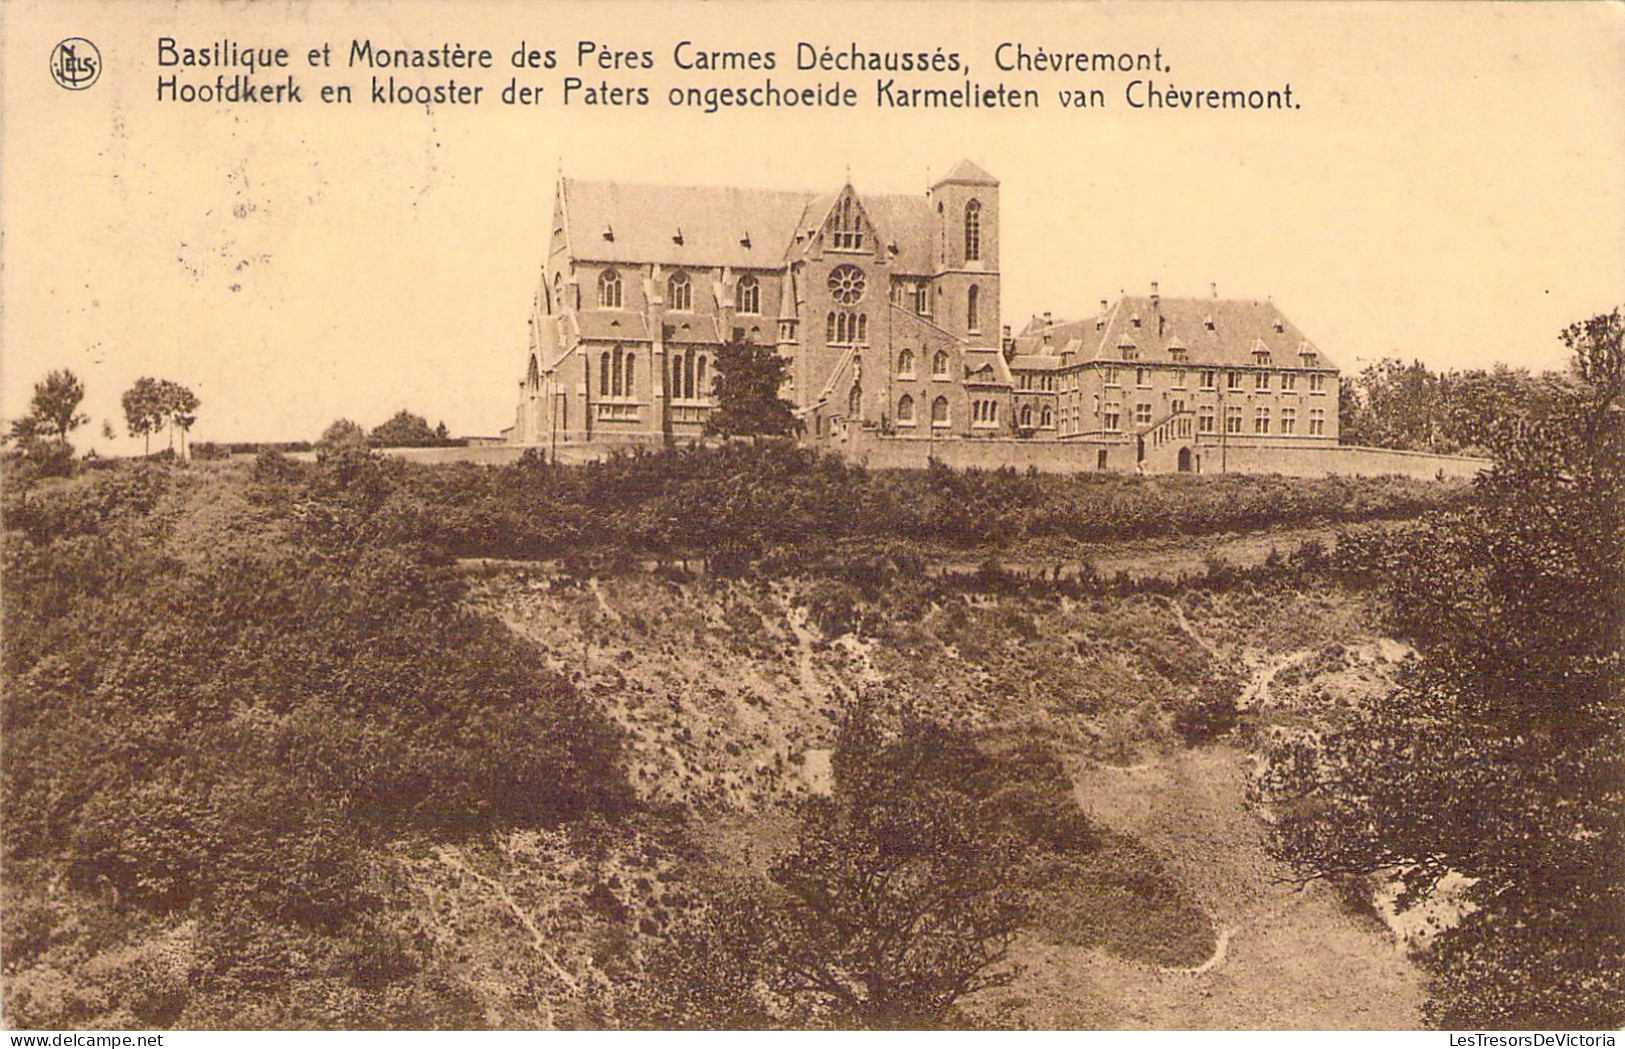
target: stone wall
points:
(1081, 456)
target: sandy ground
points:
(1294, 958)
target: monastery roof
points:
(1035, 362)
(1240, 328)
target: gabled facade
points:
(643, 284)
(1181, 379)
(887, 308)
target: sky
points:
(1450, 189)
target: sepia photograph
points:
(743, 516)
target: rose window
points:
(846, 284)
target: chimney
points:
(1215, 288)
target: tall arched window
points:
(973, 230)
(829, 334)
(905, 409)
(939, 412)
(1026, 415)
(688, 377)
(533, 375)
(628, 389)
(862, 333)
(1046, 417)
(848, 226)
(699, 376)
(679, 292)
(748, 295)
(973, 309)
(854, 402)
(603, 374)
(677, 375)
(616, 383)
(609, 290)
(905, 362)
(939, 363)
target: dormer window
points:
(1135, 320)
(1280, 325)
(744, 239)
(609, 232)
(1208, 323)
(677, 238)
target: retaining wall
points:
(1298, 459)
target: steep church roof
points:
(904, 222)
(680, 225)
(729, 226)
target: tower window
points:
(973, 230)
(973, 319)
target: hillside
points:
(276, 759)
(728, 691)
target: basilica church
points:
(887, 308)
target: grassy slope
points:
(728, 691)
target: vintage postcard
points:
(812, 516)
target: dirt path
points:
(1293, 959)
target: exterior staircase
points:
(1170, 445)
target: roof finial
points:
(849, 173)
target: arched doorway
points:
(1184, 460)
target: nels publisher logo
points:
(76, 63)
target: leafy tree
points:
(748, 380)
(405, 430)
(901, 895)
(1501, 757)
(42, 435)
(53, 412)
(180, 406)
(905, 892)
(342, 435)
(145, 409)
